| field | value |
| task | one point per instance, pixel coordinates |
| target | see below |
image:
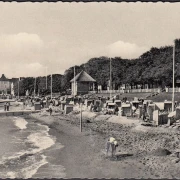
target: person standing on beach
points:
(50, 109)
(113, 143)
(91, 106)
(144, 114)
(79, 101)
(5, 107)
(24, 104)
(42, 103)
(108, 144)
(133, 110)
(116, 110)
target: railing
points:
(107, 91)
(146, 90)
(129, 91)
(171, 90)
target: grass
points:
(129, 96)
(165, 96)
(158, 98)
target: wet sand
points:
(83, 153)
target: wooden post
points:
(81, 119)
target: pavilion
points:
(82, 83)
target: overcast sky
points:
(34, 36)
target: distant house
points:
(6, 84)
(82, 83)
(13, 81)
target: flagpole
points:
(51, 86)
(110, 79)
(173, 77)
(35, 87)
(18, 88)
(74, 81)
(46, 77)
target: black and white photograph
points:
(89, 90)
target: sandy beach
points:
(79, 79)
(143, 152)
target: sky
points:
(59, 35)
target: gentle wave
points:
(26, 163)
(29, 171)
(41, 141)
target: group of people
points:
(113, 144)
(6, 106)
(93, 107)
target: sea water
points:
(23, 146)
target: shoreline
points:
(83, 157)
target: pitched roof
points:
(3, 78)
(83, 77)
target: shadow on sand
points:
(119, 156)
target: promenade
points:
(18, 112)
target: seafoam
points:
(25, 164)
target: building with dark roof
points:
(82, 83)
(6, 84)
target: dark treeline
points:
(29, 84)
(154, 67)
